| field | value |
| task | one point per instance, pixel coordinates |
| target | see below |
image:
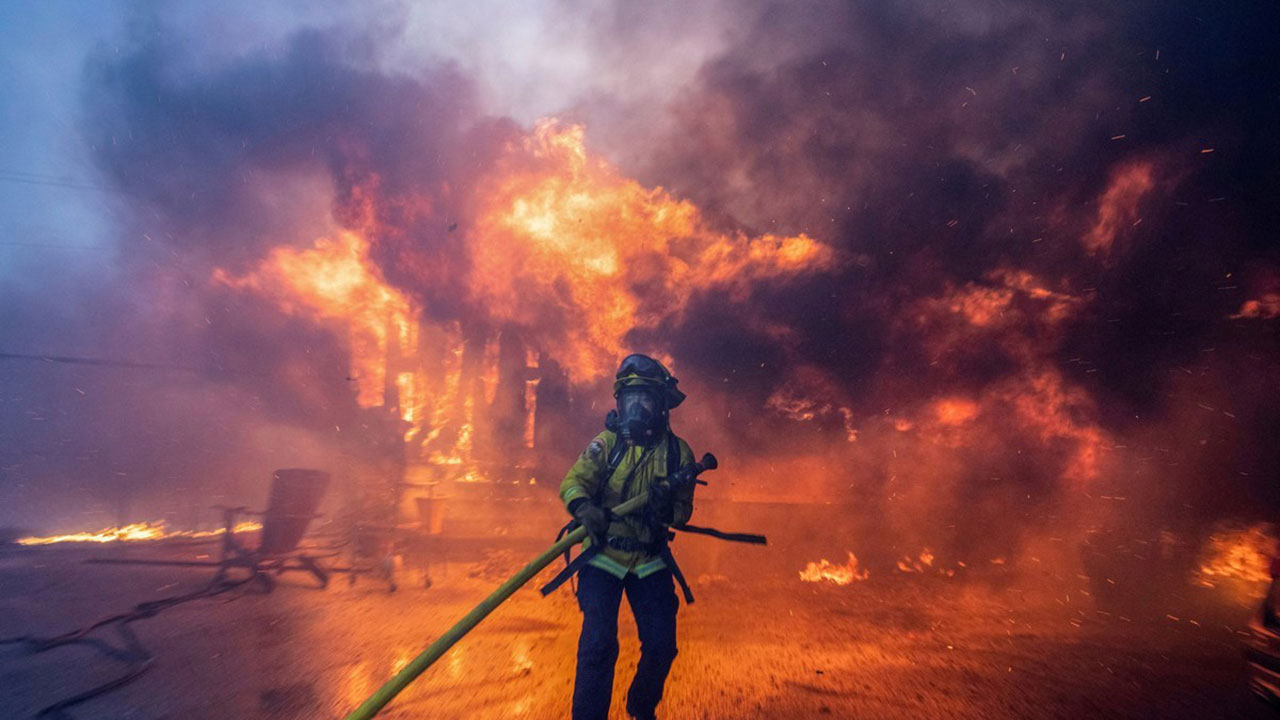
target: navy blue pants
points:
(653, 603)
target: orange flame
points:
(335, 281)
(917, 564)
(134, 532)
(1241, 554)
(564, 233)
(563, 249)
(826, 571)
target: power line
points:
(27, 178)
(48, 246)
(110, 362)
(104, 362)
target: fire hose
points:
(133, 652)
(437, 649)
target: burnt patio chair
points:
(291, 506)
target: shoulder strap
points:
(615, 457)
(673, 453)
(618, 452)
(626, 484)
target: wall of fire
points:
(469, 402)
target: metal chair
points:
(291, 506)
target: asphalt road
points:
(759, 645)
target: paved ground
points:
(769, 646)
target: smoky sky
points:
(937, 142)
(938, 147)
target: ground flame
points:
(135, 532)
(826, 571)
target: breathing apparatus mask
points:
(646, 392)
(641, 416)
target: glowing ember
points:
(825, 571)
(917, 564)
(134, 532)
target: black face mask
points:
(641, 415)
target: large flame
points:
(567, 242)
(564, 249)
(335, 282)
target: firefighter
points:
(629, 554)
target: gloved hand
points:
(659, 507)
(594, 518)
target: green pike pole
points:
(437, 649)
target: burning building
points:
(980, 292)
(341, 259)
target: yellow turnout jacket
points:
(585, 478)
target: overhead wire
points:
(27, 178)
